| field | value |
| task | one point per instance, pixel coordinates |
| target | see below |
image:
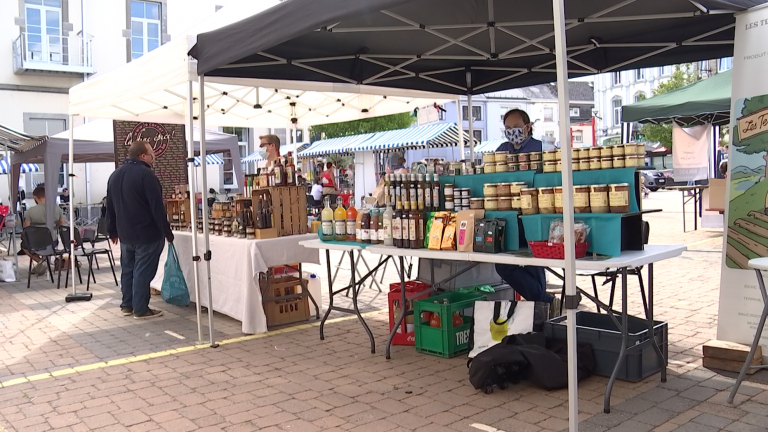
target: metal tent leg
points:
(758, 334)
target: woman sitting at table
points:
(530, 282)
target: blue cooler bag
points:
(174, 289)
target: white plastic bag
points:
(493, 320)
(6, 271)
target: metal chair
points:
(40, 241)
(89, 254)
(98, 236)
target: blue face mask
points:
(515, 135)
(263, 153)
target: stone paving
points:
(149, 376)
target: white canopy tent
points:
(94, 142)
(158, 87)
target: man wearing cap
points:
(269, 148)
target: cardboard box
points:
(716, 194)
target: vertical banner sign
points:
(167, 141)
(690, 152)
(747, 193)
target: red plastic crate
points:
(404, 337)
(543, 249)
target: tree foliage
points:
(368, 125)
(681, 77)
(756, 143)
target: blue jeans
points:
(139, 265)
(530, 282)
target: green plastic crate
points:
(446, 341)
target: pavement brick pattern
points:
(291, 381)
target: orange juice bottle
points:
(351, 220)
(340, 220)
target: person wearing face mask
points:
(530, 282)
(269, 148)
(518, 131)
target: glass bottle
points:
(351, 220)
(427, 193)
(413, 194)
(420, 191)
(404, 229)
(358, 222)
(374, 226)
(365, 226)
(386, 227)
(405, 189)
(340, 220)
(436, 192)
(434, 319)
(327, 218)
(290, 170)
(277, 173)
(387, 188)
(414, 230)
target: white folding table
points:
(623, 262)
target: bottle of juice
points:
(434, 319)
(457, 319)
(386, 225)
(351, 219)
(340, 219)
(327, 218)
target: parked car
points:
(654, 179)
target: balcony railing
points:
(35, 53)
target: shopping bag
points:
(6, 271)
(174, 289)
(494, 320)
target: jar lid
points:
(558, 188)
(599, 185)
(503, 184)
(550, 151)
(518, 183)
(501, 152)
(476, 199)
(606, 159)
(550, 162)
(619, 184)
(489, 198)
(529, 190)
(504, 198)
(490, 184)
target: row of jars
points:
(604, 198)
(456, 199)
(598, 163)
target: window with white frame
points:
(549, 114)
(43, 31)
(639, 74)
(477, 133)
(640, 96)
(477, 113)
(145, 27)
(574, 112)
(616, 103)
(725, 64)
(506, 109)
(578, 137)
(228, 178)
(616, 78)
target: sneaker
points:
(152, 313)
(126, 311)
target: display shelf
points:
(595, 177)
(476, 181)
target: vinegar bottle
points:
(397, 228)
(351, 220)
(340, 220)
(327, 217)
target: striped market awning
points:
(489, 146)
(25, 168)
(434, 135)
(18, 140)
(211, 159)
(336, 145)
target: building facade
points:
(52, 45)
(616, 89)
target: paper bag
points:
(465, 226)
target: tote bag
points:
(494, 320)
(174, 289)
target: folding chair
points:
(89, 254)
(40, 241)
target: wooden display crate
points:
(289, 208)
(266, 233)
(178, 213)
(284, 302)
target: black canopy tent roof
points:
(432, 44)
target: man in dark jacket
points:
(136, 216)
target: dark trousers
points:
(139, 265)
(530, 282)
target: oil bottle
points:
(428, 193)
(397, 228)
(436, 192)
(413, 194)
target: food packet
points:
(557, 231)
(435, 233)
(449, 235)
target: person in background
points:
(269, 148)
(518, 131)
(724, 168)
(36, 216)
(317, 192)
(64, 197)
(136, 216)
(400, 167)
(328, 179)
(528, 281)
(104, 207)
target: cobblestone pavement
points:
(83, 366)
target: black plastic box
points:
(601, 332)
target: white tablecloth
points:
(235, 267)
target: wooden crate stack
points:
(178, 213)
(289, 209)
(729, 356)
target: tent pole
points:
(192, 171)
(206, 235)
(471, 119)
(460, 123)
(561, 61)
(74, 296)
(12, 210)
